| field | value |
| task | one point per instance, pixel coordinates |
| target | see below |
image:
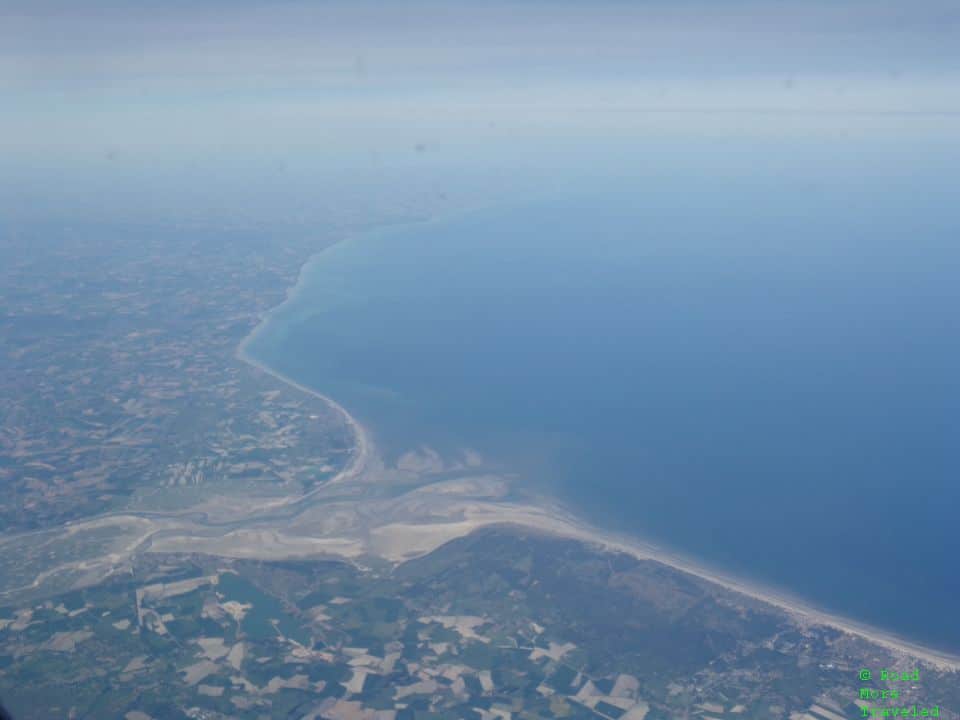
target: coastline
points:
(555, 520)
(362, 443)
(798, 609)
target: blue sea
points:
(757, 369)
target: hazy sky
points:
(104, 95)
(256, 46)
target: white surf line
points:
(362, 444)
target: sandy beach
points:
(362, 442)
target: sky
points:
(167, 100)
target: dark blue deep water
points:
(758, 373)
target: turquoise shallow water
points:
(757, 373)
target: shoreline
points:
(797, 608)
(552, 518)
(361, 451)
(559, 523)
(362, 446)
